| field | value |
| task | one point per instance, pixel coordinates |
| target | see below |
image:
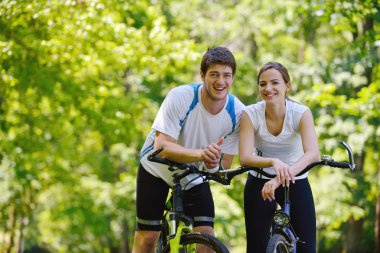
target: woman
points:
(277, 134)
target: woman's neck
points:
(275, 117)
(275, 110)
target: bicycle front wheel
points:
(278, 244)
(199, 242)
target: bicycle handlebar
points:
(187, 167)
(225, 176)
(326, 160)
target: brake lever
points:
(220, 162)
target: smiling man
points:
(196, 123)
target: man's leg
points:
(199, 205)
(151, 194)
(145, 241)
(204, 229)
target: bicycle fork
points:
(282, 222)
(179, 223)
(178, 227)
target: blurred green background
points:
(81, 82)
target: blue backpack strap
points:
(231, 111)
(193, 103)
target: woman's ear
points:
(288, 85)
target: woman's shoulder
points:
(296, 111)
(296, 107)
(255, 107)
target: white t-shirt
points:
(287, 146)
(183, 117)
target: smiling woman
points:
(277, 134)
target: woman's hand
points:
(283, 172)
(269, 188)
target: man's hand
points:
(212, 153)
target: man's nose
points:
(221, 79)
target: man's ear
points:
(202, 75)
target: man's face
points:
(218, 81)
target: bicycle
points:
(283, 238)
(176, 233)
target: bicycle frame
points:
(282, 225)
(179, 222)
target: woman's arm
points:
(248, 158)
(247, 155)
(309, 143)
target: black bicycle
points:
(283, 238)
(176, 233)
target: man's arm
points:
(177, 153)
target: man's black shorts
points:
(152, 193)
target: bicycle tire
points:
(278, 244)
(200, 239)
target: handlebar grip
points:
(335, 164)
(155, 153)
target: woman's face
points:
(272, 87)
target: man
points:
(196, 123)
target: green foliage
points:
(81, 82)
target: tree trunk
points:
(354, 232)
(377, 226)
(13, 218)
(353, 235)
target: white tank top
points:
(287, 146)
